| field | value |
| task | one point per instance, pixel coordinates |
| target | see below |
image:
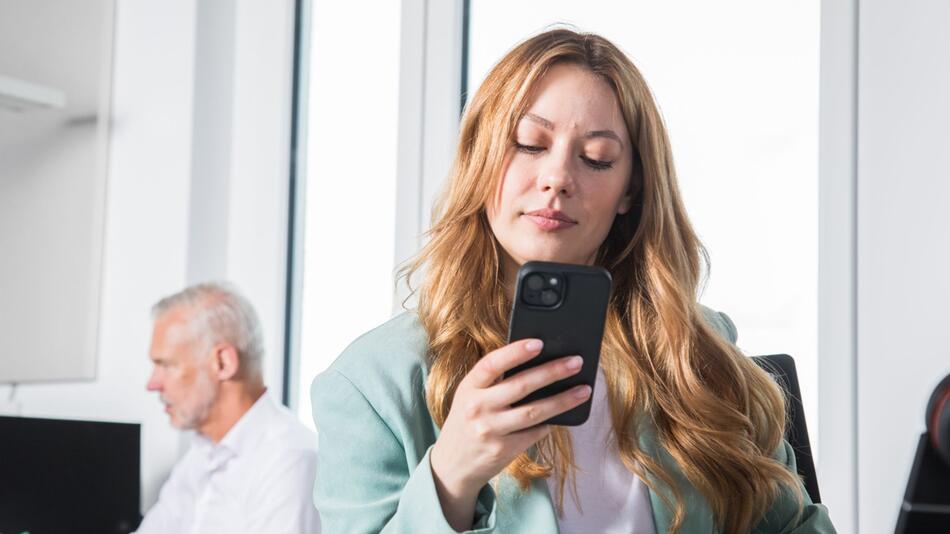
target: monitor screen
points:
(68, 476)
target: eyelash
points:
(597, 165)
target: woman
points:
(562, 157)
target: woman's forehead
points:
(572, 97)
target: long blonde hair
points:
(717, 415)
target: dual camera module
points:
(542, 289)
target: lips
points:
(550, 219)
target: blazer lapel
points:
(529, 512)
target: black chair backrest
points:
(782, 369)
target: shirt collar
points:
(244, 434)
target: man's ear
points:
(226, 362)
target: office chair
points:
(782, 369)
(926, 506)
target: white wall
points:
(151, 211)
(238, 217)
(258, 188)
(146, 227)
(885, 246)
(52, 185)
(903, 240)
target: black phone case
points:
(574, 326)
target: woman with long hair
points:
(563, 157)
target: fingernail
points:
(582, 392)
(575, 363)
(534, 344)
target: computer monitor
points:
(68, 476)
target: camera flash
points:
(553, 281)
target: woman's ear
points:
(626, 201)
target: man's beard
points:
(191, 413)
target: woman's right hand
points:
(483, 433)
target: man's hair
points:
(220, 314)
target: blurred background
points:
(295, 148)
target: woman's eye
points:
(529, 149)
(597, 164)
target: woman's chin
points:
(553, 256)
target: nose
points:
(556, 176)
(154, 381)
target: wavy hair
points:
(716, 414)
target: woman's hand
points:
(483, 433)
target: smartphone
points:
(565, 306)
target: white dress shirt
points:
(257, 479)
(612, 499)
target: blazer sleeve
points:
(364, 481)
(721, 323)
(784, 516)
(729, 328)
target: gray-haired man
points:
(251, 464)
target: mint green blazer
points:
(375, 435)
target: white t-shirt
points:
(612, 499)
(258, 478)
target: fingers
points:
(523, 439)
(519, 386)
(494, 364)
(534, 413)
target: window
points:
(348, 200)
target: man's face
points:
(182, 374)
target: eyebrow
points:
(548, 125)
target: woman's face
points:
(568, 175)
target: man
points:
(251, 464)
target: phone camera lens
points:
(535, 282)
(548, 297)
